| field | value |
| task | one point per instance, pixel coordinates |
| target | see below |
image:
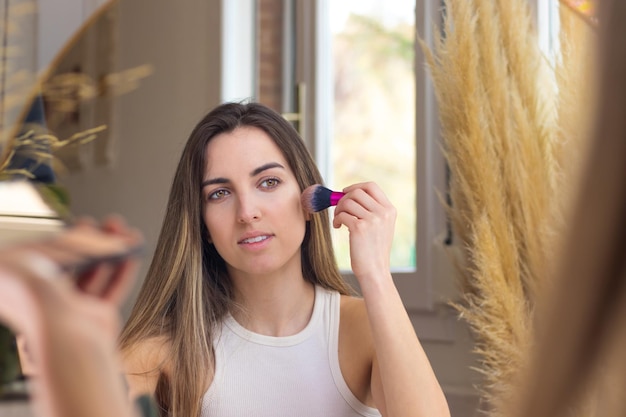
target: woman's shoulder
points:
(352, 303)
(353, 318)
(356, 347)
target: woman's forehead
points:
(244, 147)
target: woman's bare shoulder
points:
(356, 348)
(354, 312)
(354, 322)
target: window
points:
(548, 25)
(332, 40)
(372, 127)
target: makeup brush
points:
(317, 198)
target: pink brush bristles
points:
(317, 198)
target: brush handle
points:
(335, 196)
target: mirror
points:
(18, 69)
(48, 74)
(127, 168)
(44, 87)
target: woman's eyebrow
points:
(219, 180)
(265, 167)
(255, 172)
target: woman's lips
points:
(255, 239)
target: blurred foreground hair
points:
(579, 364)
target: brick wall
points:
(270, 38)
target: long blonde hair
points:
(187, 290)
(579, 366)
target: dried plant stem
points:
(501, 109)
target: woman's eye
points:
(216, 195)
(270, 182)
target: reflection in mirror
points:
(27, 143)
(18, 69)
(44, 109)
(71, 102)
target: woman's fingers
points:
(97, 256)
(103, 260)
(95, 279)
(363, 201)
(370, 219)
(367, 193)
(121, 281)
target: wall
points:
(270, 55)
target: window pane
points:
(374, 111)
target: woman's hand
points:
(111, 281)
(36, 277)
(370, 219)
(71, 323)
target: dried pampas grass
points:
(509, 120)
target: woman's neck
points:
(274, 306)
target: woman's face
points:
(252, 206)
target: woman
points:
(244, 312)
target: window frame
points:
(417, 288)
(238, 46)
(426, 291)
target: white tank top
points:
(293, 376)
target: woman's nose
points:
(248, 210)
